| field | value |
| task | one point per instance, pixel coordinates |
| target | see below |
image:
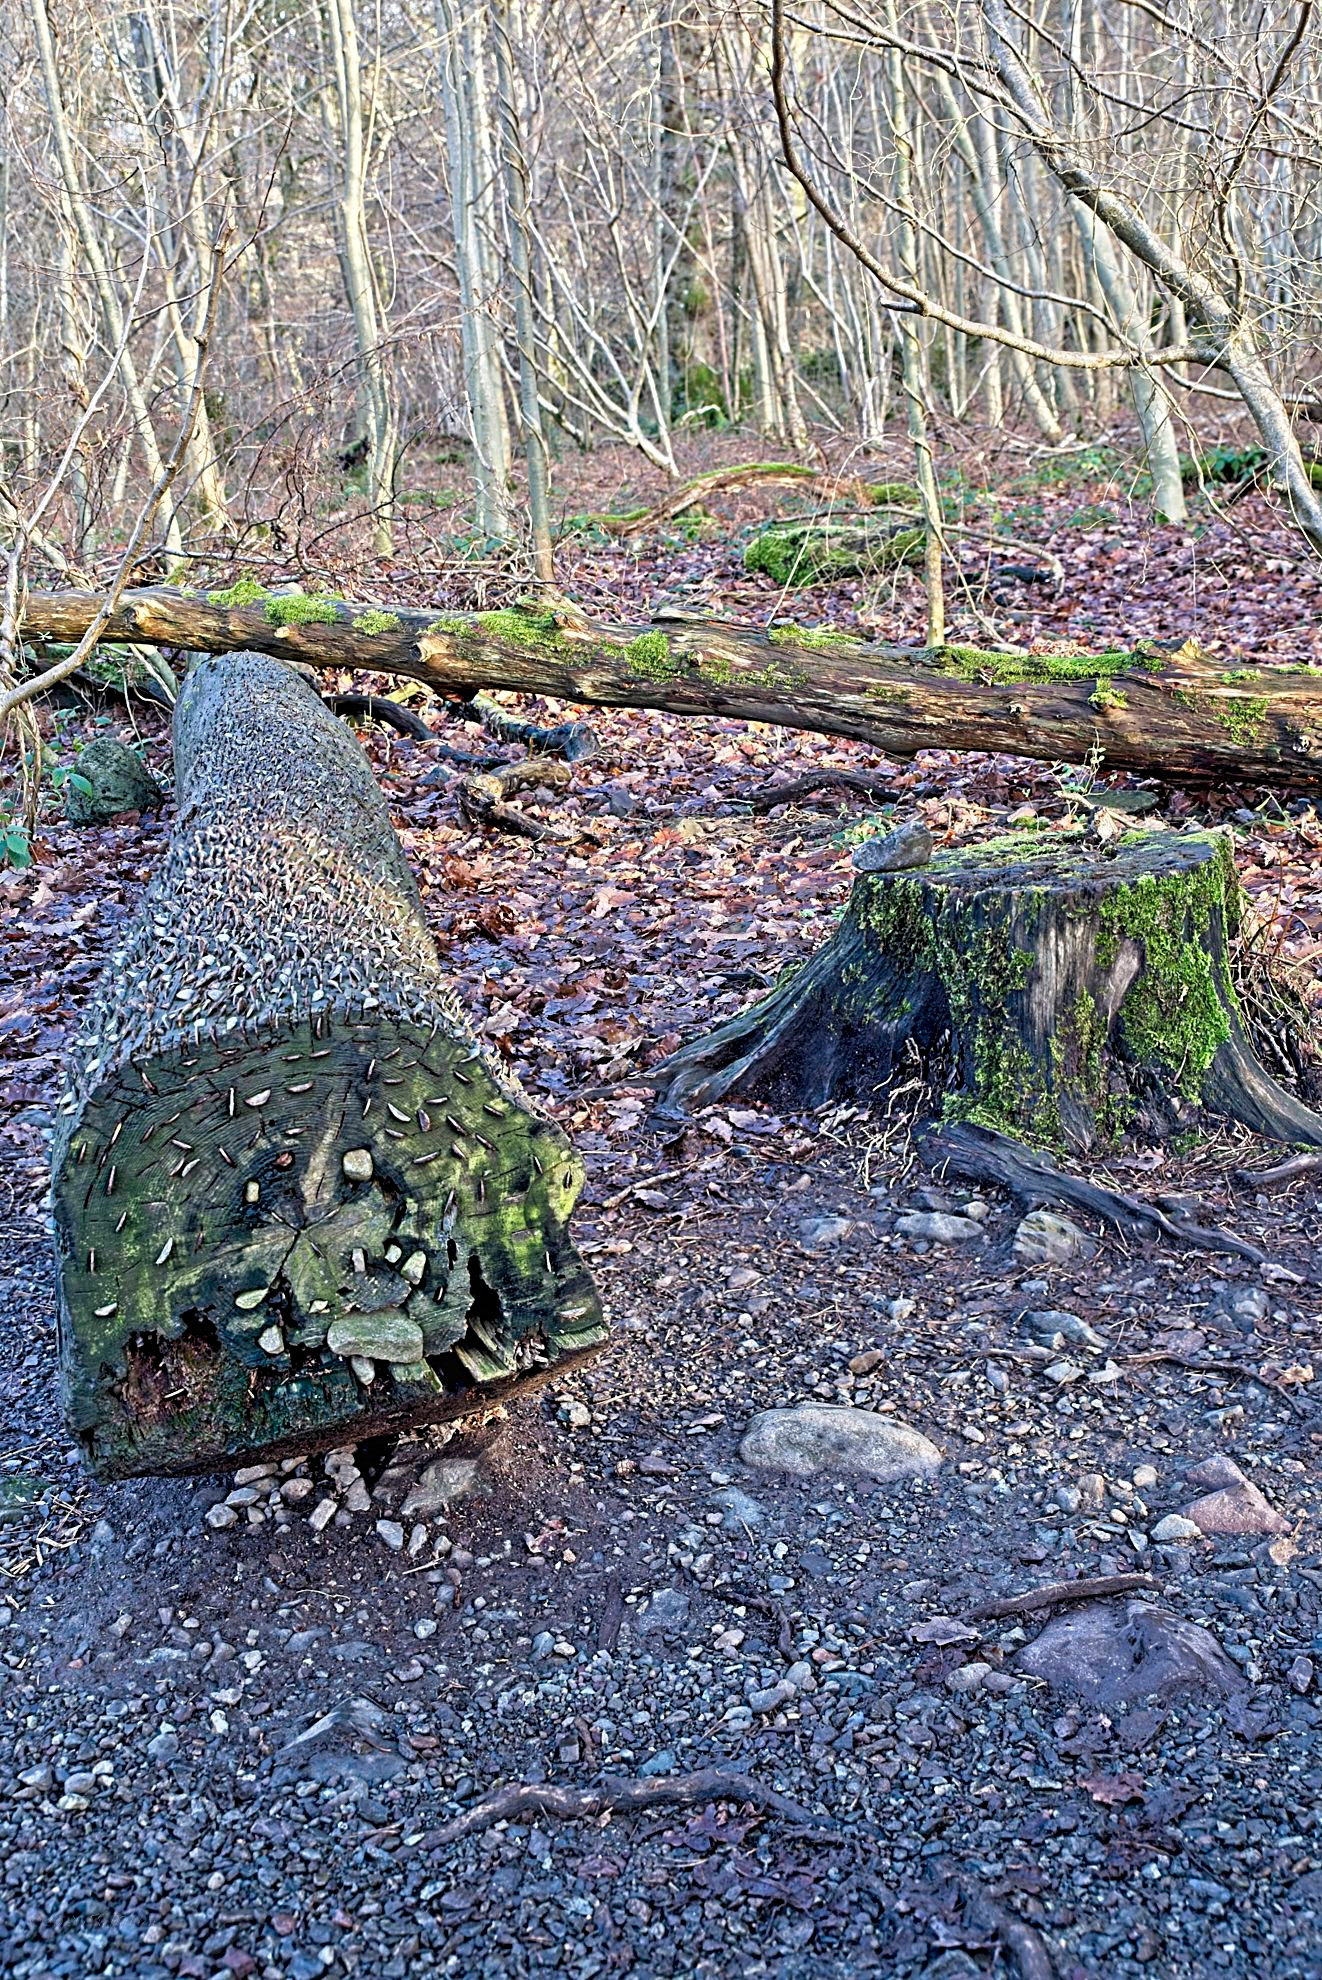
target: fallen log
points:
(296, 1204)
(1171, 715)
(1053, 991)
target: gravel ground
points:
(227, 1744)
(237, 1712)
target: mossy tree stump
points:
(1048, 988)
(295, 1202)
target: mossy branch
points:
(1167, 714)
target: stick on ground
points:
(618, 1796)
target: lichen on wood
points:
(280, 1139)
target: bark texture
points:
(1048, 989)
(296, 1204)
(1175, 716)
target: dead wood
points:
(1166, 715)
(1056, 1593)
(379, 708)
(617, 1795)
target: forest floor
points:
(229, 1746)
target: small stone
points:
(392, 1533)
(1176, 1531)
(322, 1514)
(820, 1233)
(219, 1517)
(969, 1677)
(1092, 1490)
(252, 1474)
(271, 1341)
(1064, 1372)
(898, 851)
(80, 1783)
(443, 1481)
(358, 1499)
(357, 1164)
(1145, 1477)
(1300, 1674)
(666, 1613)
(938, 1227)
(1044, 1238)
(119, 781)
(424, 1627)
(1054, 1329)
(364, 1370)
(815, 1437)
(863, 1364)
(1214, 1471)
(771, 1697)
(386, 1336)
(39, 1778)
(542, 1645)
(1238, 1309)
(576, 1414)
(660, 1763)
(900, 1309)
(163, 1748)
(1068, 1497)
(244, 1495)
(414, 1268)
(739, 1510)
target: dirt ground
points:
(230, 1747)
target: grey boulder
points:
(816, 1437)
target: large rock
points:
(111, 778)
(1119, 1654)
(813, 1437)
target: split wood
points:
(617, 1795)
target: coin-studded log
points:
(296, 1203)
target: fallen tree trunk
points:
(814, 550)
(1174, 716)
(295, 1202)
(1048, 989)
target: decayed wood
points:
(616, 1796)
(1055, 992)
(1175, 716)
(296, 1204)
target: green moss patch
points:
(296, 608)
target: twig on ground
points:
(742, 1598)
(770, 795)
(617, 1796)
(1293, 1167)
(1214, 1365)
(1091, 1588)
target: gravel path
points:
(227, 1743)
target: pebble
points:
(863, 1364)
(164, 1747)
(1054, 1329)
(660, 1763)
(1175, 1530)
(820, 1232)
(219, 1517)
(1145, 1477)
(386, 1336)
(358, 1499)
(424, 1627)
(969, 1677)
(576, 1414)
(772, 1697)
(1300, 1674)
(817, 1437)
(295, 1490)
(392, 1533)
(542, 1645)
(938, 1227)
(1044, 1238)
(322, 1514)
(739, 1510)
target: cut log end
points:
(295, 1203)
(1050, 989)
(264, 1245)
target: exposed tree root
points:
(482, 797)
(1290, 1170)
(982, 1155)
(379, 708)
(617, 1795)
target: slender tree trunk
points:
(375, 399)
(469, 150)
(517, 204)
